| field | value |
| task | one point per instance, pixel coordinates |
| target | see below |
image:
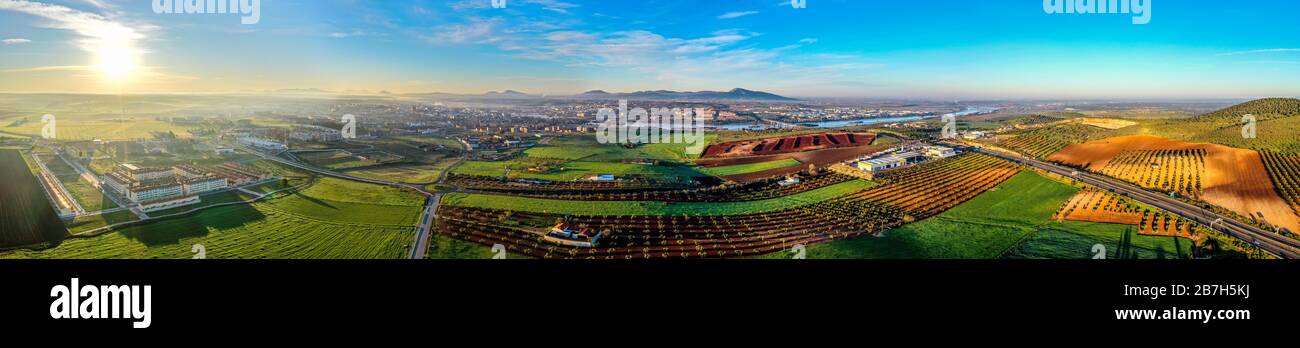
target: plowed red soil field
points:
(1234, 178)
(792, 144)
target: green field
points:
(581, 156)
(414, 174)
(751, 168)
(330, 219)
(94, 127)
(563, 207)
(586, 148)
(575, 170)
(1013, 221)
(90, 198)
(244, 232)
(87, 223)
(26, 216)
(447, 248)
(1074, 240)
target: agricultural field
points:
(411, 174)
(788, 144)
(71, 127)
(1235, 179)
(1285, 171)
(335, 159)
(1014, 221)
(1106, 123)
(330, 219)
(1075, 240)
(1043, 142)
(1174, 171)
(585, 148)
(90, 198)
(243, 231)
(26, 216)
(573, 170)
(982, 228)
(618, 208)
(1096, 206)
(744, 229)
(739, 169)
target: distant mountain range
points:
(734, 94)
(738, 94)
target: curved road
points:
(1275, 244)
(422, 235)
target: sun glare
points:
(117, 63)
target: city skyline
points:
(945, 50)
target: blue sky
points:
(940, 49)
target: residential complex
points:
(163, 188)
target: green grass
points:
(331, 219)
(585, 147)
(447, 248)
(89, 128)
(751, 168)
(340, 190)
(243, 232)
(582, 156)
(562, 207)
(416, 174)
(1015, 220)
(982, 228)
(1074, 240)
(207, 200)
(576, 170)
(26, 216)
(90, 198)
(87, 223)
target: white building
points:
(887, 162)
(261, 143)
(939, 152)
(155, 193)
(204, 185)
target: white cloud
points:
(99, 34)
(97, 3)
(477, 30)
(344, 35)
(1270, 50)
(17, 41)
(730, 15)
(553, 5)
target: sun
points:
(117, 62)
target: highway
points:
(1275, 244)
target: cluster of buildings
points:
(903, 158)
(313, 133)
(262, 144)
(578, 236)
(162, 188)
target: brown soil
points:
(1234, 178)
(821, 159)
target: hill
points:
(1263, 109)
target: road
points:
(94, 181)
(423, 233)
(1275, 244)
